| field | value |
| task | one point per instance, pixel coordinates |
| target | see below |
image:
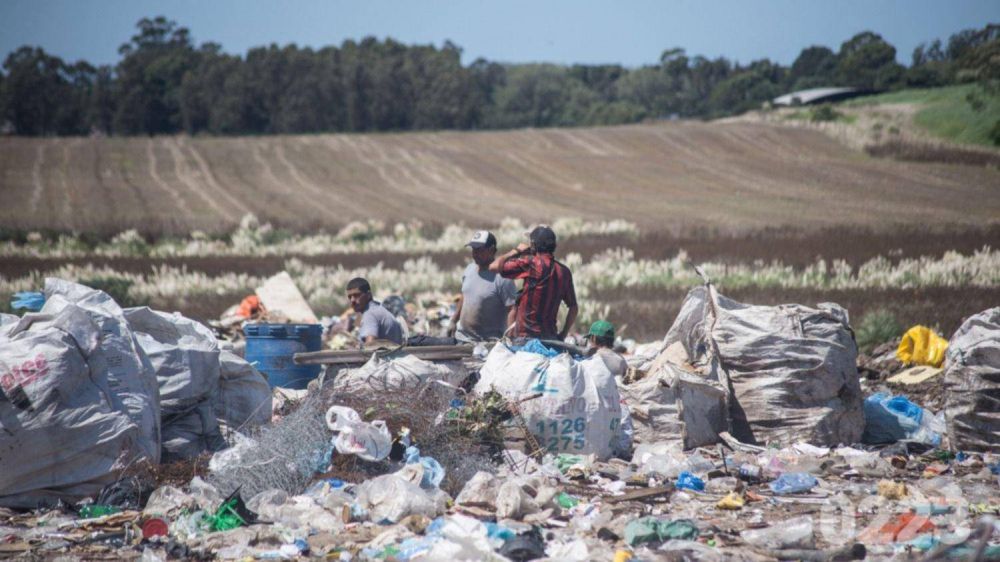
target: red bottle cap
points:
(154, 527)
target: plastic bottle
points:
(793, 483)
(750, 472)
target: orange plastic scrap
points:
(249, 306)
(904, 527)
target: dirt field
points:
(670, 176)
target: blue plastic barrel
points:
(270, 348)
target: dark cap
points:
(543, 239)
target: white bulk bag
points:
(579, 410)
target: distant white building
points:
(818, 95)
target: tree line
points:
(165, 84)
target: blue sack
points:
(890, 418)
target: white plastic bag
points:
(370, 441)
(578, 410)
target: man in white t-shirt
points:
(487, 297)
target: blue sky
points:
(629, 32)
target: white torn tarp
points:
(63, 433)
(790, 370)
(972, 383)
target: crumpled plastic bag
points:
(392, 497)
(370, 441)
(921, 346)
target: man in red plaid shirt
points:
(546, 284)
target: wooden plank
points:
(639, 495)
(358, 357)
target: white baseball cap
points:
(482, 238)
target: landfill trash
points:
(32, 301)
(370, 441)
(915, 375)
(185, 357)
(731, 501)
(408, 375)
(688, 481)
(892, 490)
(672, 401)
(922, 346)
(281, 298)
(167, 501)
(481, 490)
(527, 546)
(433, 471)
(765, 355)
(891, 418)
(244, 399)
(569, 406)
(903, 527)
(72, 433)
(796, 532)
(653, 529)
(95, 510)
(391, 497)
(972, 383)
(793, 483)
(129, 373)
(154, 527)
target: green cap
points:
(602, 329)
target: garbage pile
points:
(746, 434)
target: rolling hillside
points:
(662, 176)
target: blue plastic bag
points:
(688, 481)
(536, 346)
(793, 483)
(29, 300)
(891, 418)
(433, 471)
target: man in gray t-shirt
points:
(377, 323)
(487, 298)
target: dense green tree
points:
(164, 84)
(815, 67)
(149, 77)
(869, 62)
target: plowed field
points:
(666, 176)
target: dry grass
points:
(669, 176)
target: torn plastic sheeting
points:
(670, 401)
(791, 359)
(58, 413)
(972, 383)
(244, 400)
(391, 497)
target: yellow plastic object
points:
(732, 501)
(623, 556)
(921, 346)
